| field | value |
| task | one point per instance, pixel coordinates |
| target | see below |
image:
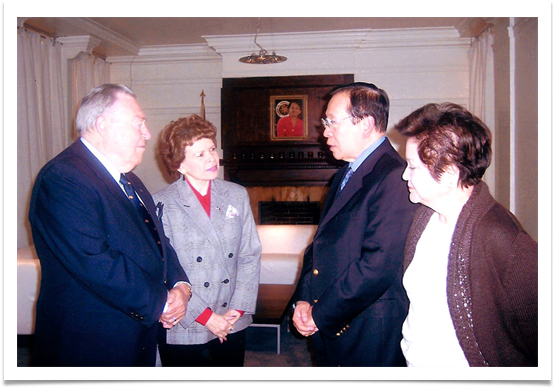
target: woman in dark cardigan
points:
(471, 271)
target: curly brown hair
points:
(178, 135)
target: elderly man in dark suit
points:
(109, 275)
(350, 297)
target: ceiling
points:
(126, 35)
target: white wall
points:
(414, 66)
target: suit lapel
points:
(149, 204)
(196, 212)
(334, 203)
(102, 173)
(111, 186)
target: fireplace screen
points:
(274, 212)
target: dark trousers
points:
(230, 353)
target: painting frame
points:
(281, 123)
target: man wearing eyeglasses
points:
(350, 299)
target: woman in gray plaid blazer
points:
(210, 225)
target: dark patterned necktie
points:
(346, 179)
(140, 207)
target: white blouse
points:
(429, 337)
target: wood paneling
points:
(251, 157)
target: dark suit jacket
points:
(104, 282)
(352, 270)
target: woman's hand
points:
(232, 316)
(219, 325)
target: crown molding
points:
(226, 44)
(414, 37)
(104, 34)
(219, 46)
(169, 54)
(337, 40)
(74, 47)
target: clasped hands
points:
(178, 298)
(222, 325)
(302, 319)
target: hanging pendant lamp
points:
(263, 57)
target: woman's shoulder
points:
(168, 193)
(228, 185)
(500, 221)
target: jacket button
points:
(230, 255)
(206, 284)
(224, 304)
(315, 301)
(199, 259)
(338, 334)
(226, 281)
(315, 271)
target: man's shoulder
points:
(66, 163)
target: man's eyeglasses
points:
(329, 123)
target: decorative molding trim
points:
(170, 54)
(338, 40)
(414, 37)
(75, 47)
(226, 44)
(220, 46)
(105, 34)
(178, 81)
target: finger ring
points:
(230, 329)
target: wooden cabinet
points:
(252, 155)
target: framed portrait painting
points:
(289, 119)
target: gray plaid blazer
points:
(220, 254)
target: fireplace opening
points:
(274, 212)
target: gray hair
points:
(96, 102)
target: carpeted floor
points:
(261, 349)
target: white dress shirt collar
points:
(112, 170)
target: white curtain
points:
(42, 129)
(481, 64)
(482, 89)
(88, 72)
(44, 126)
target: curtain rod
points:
(48, 35)
(42, 33)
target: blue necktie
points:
(140, 207)
(346, 178)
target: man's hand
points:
(302, 319)
(178, 298)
